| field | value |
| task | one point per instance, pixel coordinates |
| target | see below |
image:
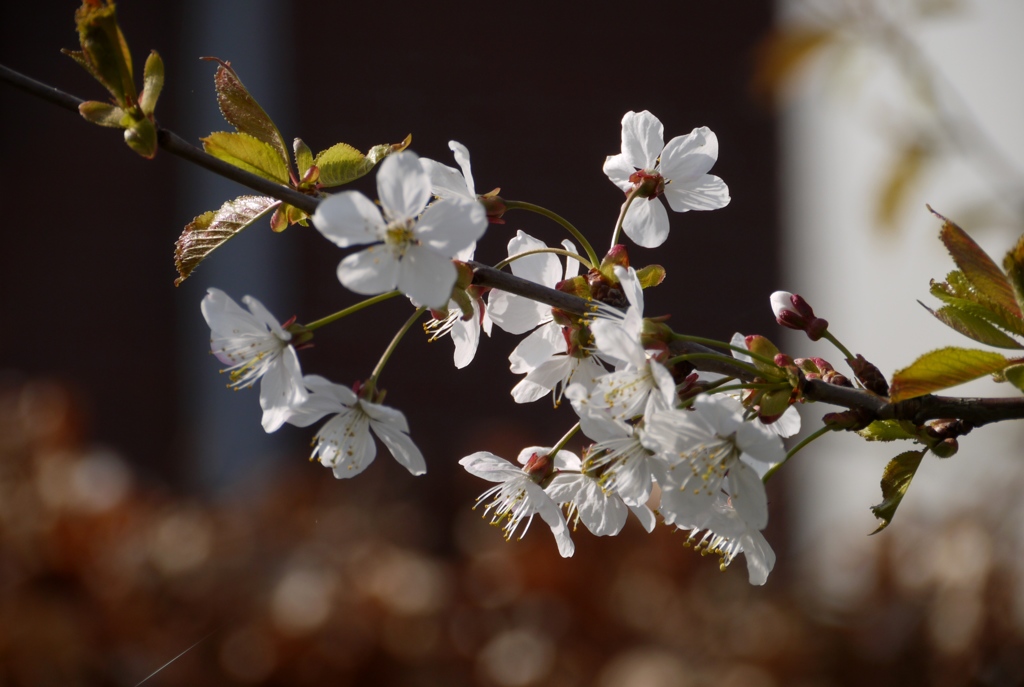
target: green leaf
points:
(103, 114)
(248, 153)
(957, 292)
(152, 82)
(303, 156)
(1013, 263)
(211, 230)
(340, 164)
(941, 369)
(1014, 374)
(244, 113)
(889, 430)
(895, 481)
(973, 326)
(104, 51)
(983, 274)
(141, 137)
(651, 275)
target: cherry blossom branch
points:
(975, 411)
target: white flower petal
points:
(740, 341)
(462, 157)
(370, 271)
(486, 465)
(344, 443)
(646, 222)
(426, 276)
(385, 415)
(706, 193)
(603, 514)
(542, 268)
(325, 398)
(401, 446)
(618, 169)
(759, 555)
(402, 186)
(631, 288)
(528, 392)
(540, 345)
(643, 138)
(229, 322)
(748, 495)
(445, 182)
(689, 157)
(515, 314)
(349, 219)
(646, 517)
(466, 336)
(788, 425)
(615, 343)
(264, 317)
(281, 390)
(449, 226)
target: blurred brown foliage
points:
(103, 579)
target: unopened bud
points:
(869, 375)
(793, 311)
(783, 360)
(946, 448)
(618, 255)
(494, 206)
(539, 466)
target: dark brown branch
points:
(173, 144)
(976, 411)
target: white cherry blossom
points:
(448, 182)
(724, 533)
(601, 510)
(708, 449)
(639, 385)
(517, 496)
(516, 314)
(410, 254)
(255, 346)
(344, 443)
(464, 332)
(677, 170)
(627, 467)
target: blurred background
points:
(143, 512)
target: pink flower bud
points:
(792, 311)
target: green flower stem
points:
(793, 451)
(715, 356)
(556, 251)
(522, 205)
(372, 381)
(722, 344)
(717, 383)
(351, 309)
(630, 197)
(835, 342)
(564, 440)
